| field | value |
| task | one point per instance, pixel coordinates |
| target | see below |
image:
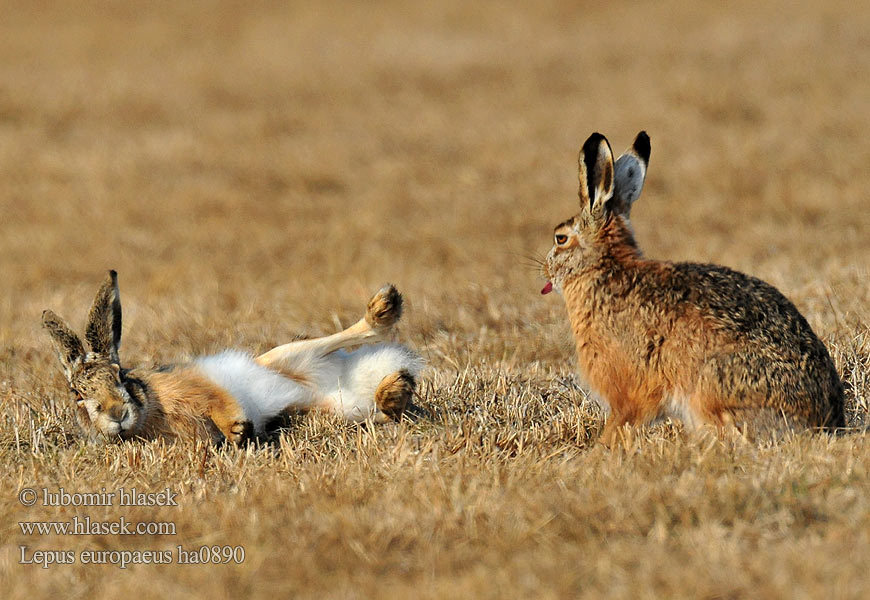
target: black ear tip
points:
(592, 143)
(113, 275)
(642, 146)
(595, 137)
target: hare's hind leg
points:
(393, 396)
(384, 310)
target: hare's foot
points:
(621, 429)
(385, 308)
(238, 432)
(383, 311)
(610, 433)
(393, 395)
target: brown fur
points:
(385, 308)
(184, 391)
(103, 332)
(659, 339)
(394, 394)
(67, 344)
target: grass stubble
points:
(255, 172)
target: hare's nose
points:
(118, 413)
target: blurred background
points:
(276, 158)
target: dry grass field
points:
(255, 170)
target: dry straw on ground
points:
(254, 171)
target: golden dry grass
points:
(255, 170)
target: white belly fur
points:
(343, 382)
(261, 392)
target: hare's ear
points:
(68, 345)
(596, 173)
(630, 174)
(103, 331)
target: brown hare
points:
(232, 395)
(699, 343)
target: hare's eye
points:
(561, 238)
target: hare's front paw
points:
(385, 308)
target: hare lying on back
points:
(700, 343)
(233, 395)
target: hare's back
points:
(748, 308)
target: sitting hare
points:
(700, 343)
(232, 395)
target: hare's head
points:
(95, 376)
(607, 191)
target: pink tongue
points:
(547, 288)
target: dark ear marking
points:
(589, 158)
(642, 148)
(595, 172)
(103, 332)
